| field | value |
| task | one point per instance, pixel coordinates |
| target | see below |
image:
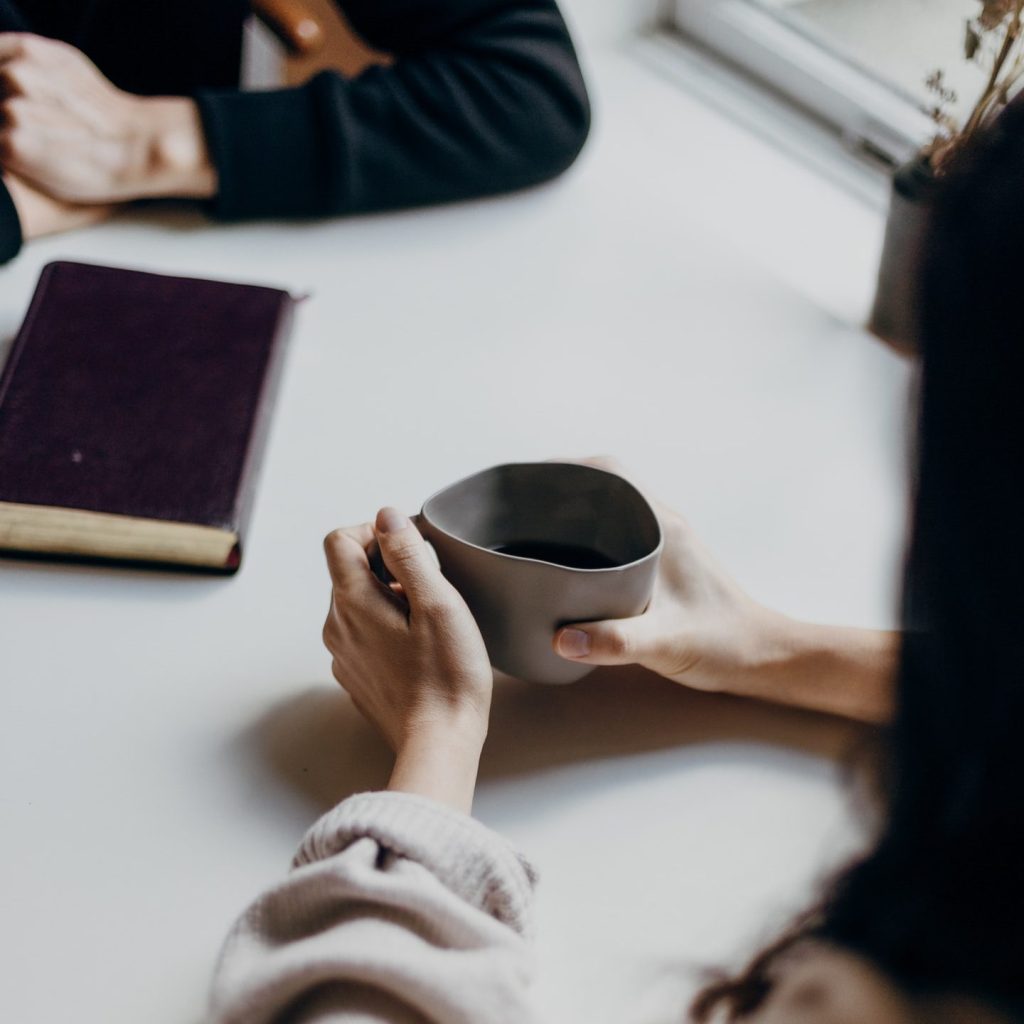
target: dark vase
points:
(894, 315)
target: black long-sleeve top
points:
(484, 96)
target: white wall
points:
(597, 22)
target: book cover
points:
(134, 408)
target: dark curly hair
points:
(938, 904)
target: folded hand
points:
(69, 132)
(409, 654)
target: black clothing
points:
(484, 96)
(10, 227)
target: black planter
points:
(894, 315)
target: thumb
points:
(407, 557)
(613, 642)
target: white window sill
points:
(744, 165)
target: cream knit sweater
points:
(400, 911)
(397, 911)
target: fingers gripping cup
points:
(533, 546)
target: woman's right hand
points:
(704, 631)
(700, 628)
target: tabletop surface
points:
(687, 299)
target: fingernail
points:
(390, 520)
(573, 643)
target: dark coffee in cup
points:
(534, 546)
(575, 556)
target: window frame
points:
(870, 115)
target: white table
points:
(686, 299)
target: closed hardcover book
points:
(134, 409)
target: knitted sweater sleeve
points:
(483, 96)
(397, 911)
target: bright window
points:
(860, 65)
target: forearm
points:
(835, 669)
(404, 27)
(484, 96)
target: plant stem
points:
(991, 91)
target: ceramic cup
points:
(542, 511)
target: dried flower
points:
(995, 12)
(994, 39)
(936, 83)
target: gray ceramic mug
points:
(579, 544)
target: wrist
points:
(461, 730)
(176, 160)
(776, 644)
(439, 759)
(839, 670)
(746, 657)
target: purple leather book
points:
(134, 408)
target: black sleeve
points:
(10, 226)
(484, 96)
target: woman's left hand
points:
(410, 655)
